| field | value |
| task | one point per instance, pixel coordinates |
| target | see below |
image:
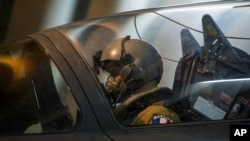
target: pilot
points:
(135, 68)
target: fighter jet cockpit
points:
(203, 62)
(169, 65)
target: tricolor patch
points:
(161, 119)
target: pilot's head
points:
(131, 63)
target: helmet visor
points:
(111, 66)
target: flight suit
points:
(147, 107)
(156, 114)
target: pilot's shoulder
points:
(156, 114)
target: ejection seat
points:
(201, 73)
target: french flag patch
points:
(162, 119)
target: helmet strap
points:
(125, 57)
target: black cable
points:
(136, 29)
(138, 34)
